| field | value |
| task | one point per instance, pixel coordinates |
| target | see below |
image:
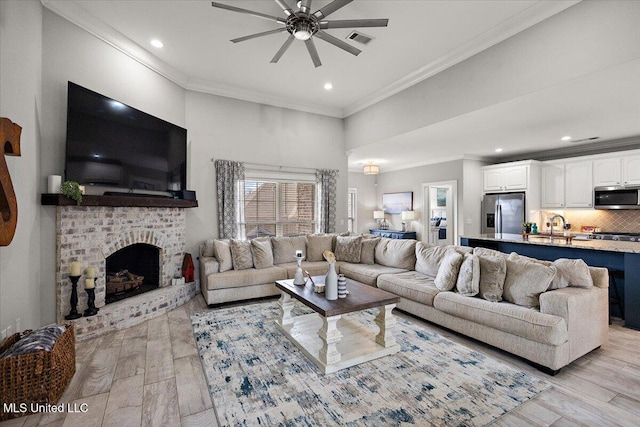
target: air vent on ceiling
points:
(593, 138)
(360, 37)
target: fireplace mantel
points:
(118, 201)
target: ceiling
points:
(422, 38)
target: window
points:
(276, 208)
(351, 210)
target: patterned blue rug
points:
(256, 376)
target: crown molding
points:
(527, 18)
(206, 86)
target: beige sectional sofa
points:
(548, 313)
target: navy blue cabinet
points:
(394, 234)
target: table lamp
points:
(382, 225)
(406, 216)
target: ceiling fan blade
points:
(338, 43)
(330, 8)
(305, 6)
(250, 12)
(354, 23)
(253, 36)
(285, 7)
(311, 47)
(283, 49)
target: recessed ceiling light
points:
(498, 150)
(328, 86)
(157, 43)
(566, 138)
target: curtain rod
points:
(276, 167)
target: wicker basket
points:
(39, 377)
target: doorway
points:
(440, 207)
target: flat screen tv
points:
(113, 145)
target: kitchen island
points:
(622, 259)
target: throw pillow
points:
(262, 252)
(448, 271)
(468, 283)
(368, 251)
(40, 339)
(222, 252)
(208, 249)
(241, 254)
(493, 270)
(428, 258)
(316, 245)
(284, 248)
(572, 272)
(348, 248)
(489, 252)
(525, 281)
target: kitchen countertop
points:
(540, 239)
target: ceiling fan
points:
(304, 25)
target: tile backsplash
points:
(621, 221)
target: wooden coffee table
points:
(328, 339)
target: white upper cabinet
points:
(607, 172)
(506, 178)
(578, 187)
(631, 170)
(553, 184)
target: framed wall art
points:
(394, 203)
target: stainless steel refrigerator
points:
(503, 213)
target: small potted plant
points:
(526, 227)
(71, 189)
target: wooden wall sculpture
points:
(10, 140)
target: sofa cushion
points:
(468, 283)
(410, 285)
(348, 248)
(208, 249)
(365, 273)
(284, 248)
(208, 265)
(243, 278)
(397, 253)
(368, 251)
(489, 252)
(241, 254)
(317, 244)
(262, 252)
(428, 258)
(493, 270)
(448, 271)
(222, 251)
(316, 268)
(525, 281)
(504, 316)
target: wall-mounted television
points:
(113, 145)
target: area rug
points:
(256, 376)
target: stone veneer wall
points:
(90, 234)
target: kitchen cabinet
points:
(553, 186)
(617, 171)
(505, 178)
(578, 185)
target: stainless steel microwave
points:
(616, 197)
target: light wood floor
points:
(150, 375)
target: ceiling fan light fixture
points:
(303, 30)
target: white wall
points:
(230, 129)
(20, 101)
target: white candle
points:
(75, 269)
(89, 284)
(91, 272)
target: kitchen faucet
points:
(553, 218)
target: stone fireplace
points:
(132, 271)
(146, 241)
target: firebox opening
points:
(132, 271)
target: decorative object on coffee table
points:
(299, 278)
(331, 279)
(74, 276)
(342, 286)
